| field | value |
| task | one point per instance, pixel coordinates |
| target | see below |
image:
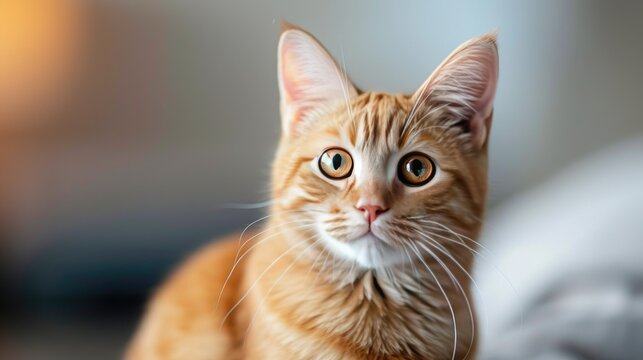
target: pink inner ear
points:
(291, 81)
(309, 79)
(484, 105)
(467, 81)
(481, 122)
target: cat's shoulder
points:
(187, 310)
(206, 270)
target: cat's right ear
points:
(310, 82)
(465, 86)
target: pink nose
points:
(372, 211)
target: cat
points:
(377, 200)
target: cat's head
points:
(379, 178)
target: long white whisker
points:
(257, 281)
(482, 256)
(495, 267)
(239, 245)
(417, 274)
(239, 258)
(319, 271)
(350, 273)
(429, 240)
(466, 298)
(246, 206)
(448, 229)
(276, 282)
(343, 81)
(437, 281)
(236, 256)
(317, 258)
(279, 225)
(432, 242)
(420, 99)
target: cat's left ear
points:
(310, 81)
(465, 86)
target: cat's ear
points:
(310, 81)
(465, 86)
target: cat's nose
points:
(372, 211)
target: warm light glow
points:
(38, 52)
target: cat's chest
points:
(370, 318)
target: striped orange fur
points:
(352, 263)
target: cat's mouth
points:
(372, 250)
(369, 235)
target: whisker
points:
(453, 241)
(322, 268)
(299, 222)
(483, 257)
(247, 206)
(446, 252)
(293, 262)
(417, 274)
(429, 240)
(342, 76)
(437, 281)
(239, 245)
(300, 226)
(257, 281)
(428, 219)
(236, 256)
(317, 258)
(239, 258)
(443, 227)
(419, 100)
(457, 283)
(350, 273)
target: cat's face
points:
(378, 178)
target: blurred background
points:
(126, 127)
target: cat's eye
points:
(415, 169)
(336, 164)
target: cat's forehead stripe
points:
(377, 123)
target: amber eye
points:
(415, 169)
(336, 163)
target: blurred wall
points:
(171, 113)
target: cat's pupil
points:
(337, 161)
(417, 167)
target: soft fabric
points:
(563, 277)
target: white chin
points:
(368, 251)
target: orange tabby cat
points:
(366, 254)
